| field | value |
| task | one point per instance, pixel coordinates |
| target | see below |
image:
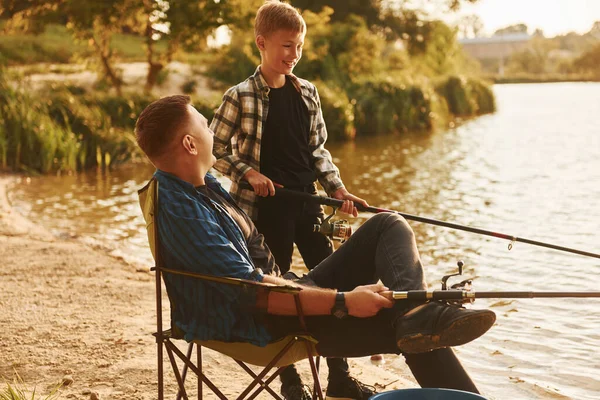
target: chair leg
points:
(315, 372)
(185, 367)
(179, 353)
(317, 379)
(264, 385)
(199, 364)
(159, 352)
(262, 374)
(180, 383)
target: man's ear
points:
(189, 145)
(260, 42)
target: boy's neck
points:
(273, 79)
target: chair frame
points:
(164, 337)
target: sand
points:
(72, 313)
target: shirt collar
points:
(209, 180)
(263, 87)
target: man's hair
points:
(157, 125)
(275, 15)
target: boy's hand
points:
(262, 185)
(365, 301)
(348, 207)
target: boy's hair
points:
(275, 15)
(157, 125)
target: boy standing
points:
(270, 132)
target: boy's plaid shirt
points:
(238, 127)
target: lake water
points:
(530, 170)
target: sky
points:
(554, 17)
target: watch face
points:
(339, 313)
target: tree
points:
(181, 24)
(588, 61)
(92, 22)
(595, 31)
(511, 29)
(470, 26)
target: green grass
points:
(56, 45)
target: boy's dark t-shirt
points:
(285, 154)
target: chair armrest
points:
(232, 281)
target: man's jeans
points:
(383, 248)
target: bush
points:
(482, 96)
(466, 97)
(236, 62)
(455, 91)
(383, 107)
(338, 112)
(189, 86)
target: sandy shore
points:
(70, 311)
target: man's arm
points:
(225, 124)
(363, 301)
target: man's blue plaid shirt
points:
(197, 234)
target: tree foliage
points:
(511, 29)
(181, 24)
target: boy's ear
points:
(260, 42)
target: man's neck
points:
(273, 79)
(193, 176)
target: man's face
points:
(282, 51)
(202, 137)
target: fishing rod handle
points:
(468, 295)
(426, 295)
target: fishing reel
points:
(466, 285)
(336, 230)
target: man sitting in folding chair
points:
(202, 230)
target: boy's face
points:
(280, 51)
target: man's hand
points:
(262, 185)
(365, 301)
(348, 207)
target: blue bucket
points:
(426, 394)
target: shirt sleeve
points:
(225, 125)
(327, 173)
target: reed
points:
(64, 131)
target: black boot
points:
(436, 325)
(292, 387)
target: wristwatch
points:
(339, 309)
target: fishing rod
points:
(463, 292)
(335, 203)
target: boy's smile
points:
(280, 52)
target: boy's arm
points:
(327, 173)
(225, 124)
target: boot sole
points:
(461, 331)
